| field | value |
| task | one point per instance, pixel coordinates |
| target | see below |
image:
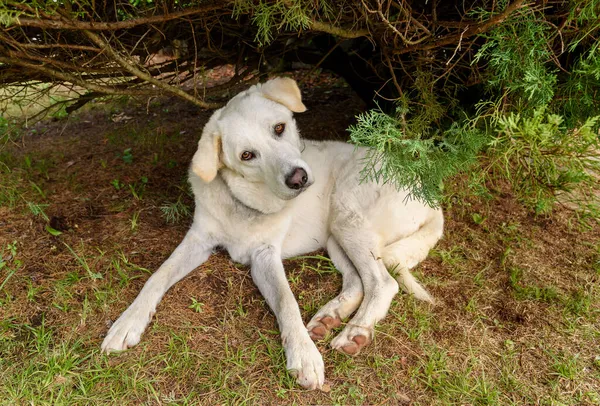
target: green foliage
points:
(585, 16)
(534, 128)
(540, 157)
(577, 97)
(547, 294)
(272, 17)
(417, 161)
(517, 55)
(136, 3)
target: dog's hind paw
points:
(319, 327)
(352, 340)
(127, 330)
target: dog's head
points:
(254, 143)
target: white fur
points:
(246, 207)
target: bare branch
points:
(67, 77)
(383, 18)
(59, 46)
(340, 32)
(66, 24)
(145, 76)
(472, 30)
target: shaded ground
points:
(84, 209)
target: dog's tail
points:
(410, 285)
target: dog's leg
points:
(127, 330)
(304, 360)
(331, 315)
(361, 245)
(405, 254)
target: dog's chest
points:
(309, 225)
(242, 232)
(300, 228)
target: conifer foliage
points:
(509, 90)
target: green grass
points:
(175, 212)
(52, 362)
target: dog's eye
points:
(279, 128)
(246, 156)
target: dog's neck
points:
(255, 196)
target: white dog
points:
(264, 194)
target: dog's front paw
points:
(304, 361)
(127, 330)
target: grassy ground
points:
(91, 205)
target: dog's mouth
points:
(292, 193)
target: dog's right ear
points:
(284, 91)
(207, 159)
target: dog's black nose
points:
(296, 179)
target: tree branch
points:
(474, 30)
(64, 24)
(145, 76)
(340, 32)
(74, 79)
(58, 46)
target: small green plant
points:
(81, 259)
(579, 303)
(52, 231)
(117, 184)
(126, 270)
(565, 366)
(32, 291)
(240, 310)
(9, 264)
(9, 132)
(137, 189)
(38, 189)
(196, 305)
(127, 156)
(38, 210)
(478, 218)
(134, 220)
(59, 113)
(323, 266)
(453, 256)
(547, 294)
(175, 212)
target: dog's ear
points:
(284, 91)
(207, 159)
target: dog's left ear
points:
(284, 91)
(207, 159)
